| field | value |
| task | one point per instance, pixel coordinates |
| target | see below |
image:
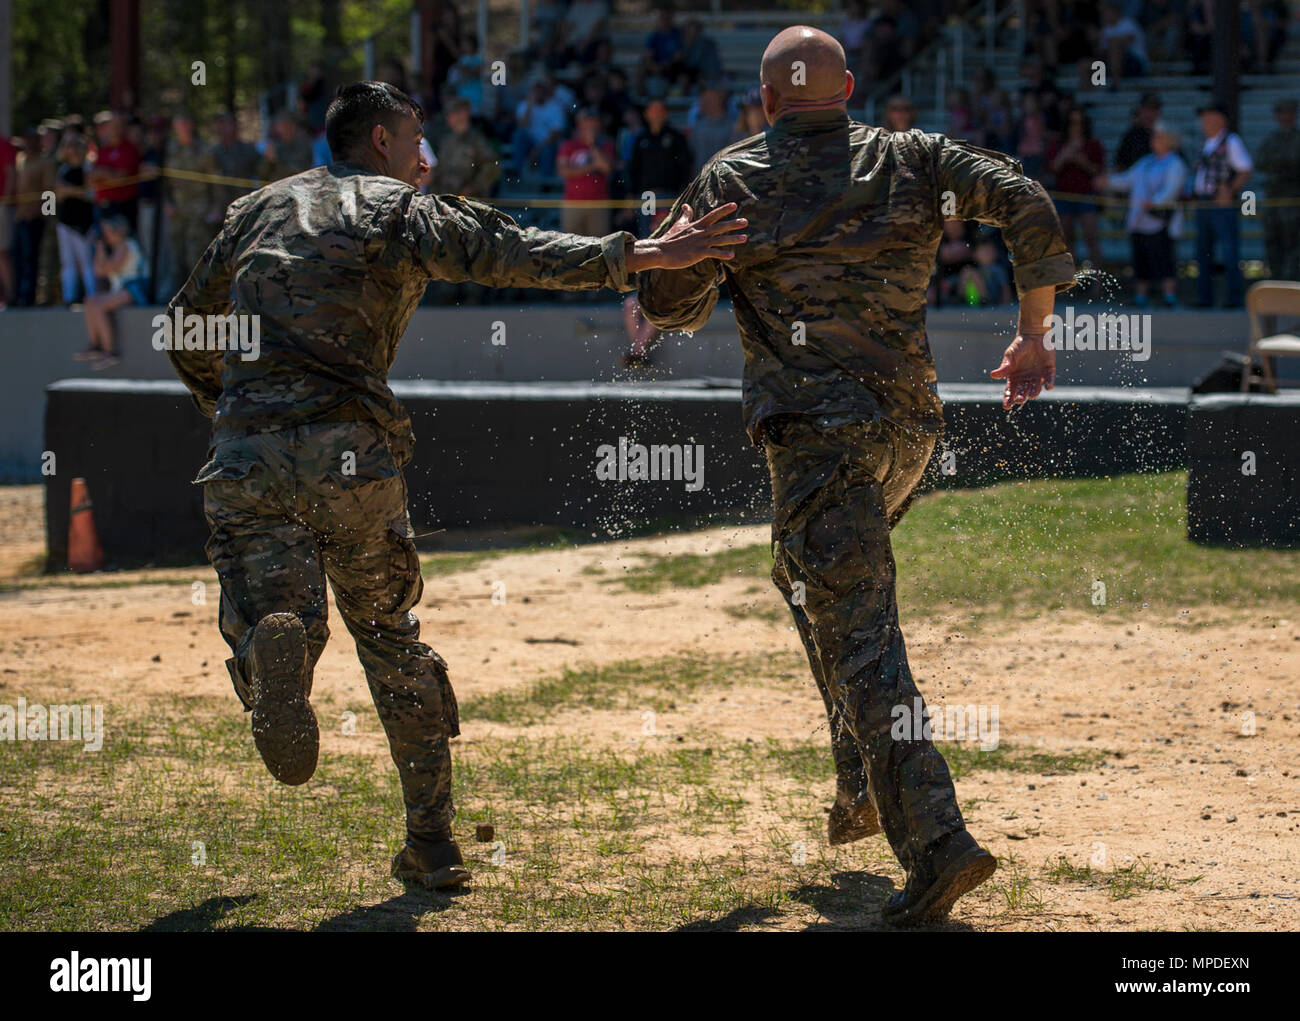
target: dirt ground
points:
(1179, 787)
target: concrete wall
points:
(573, 341)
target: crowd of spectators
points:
(137, 200)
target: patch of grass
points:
(1121, 882)
(1016, 888)
(437, 565)
(964, 758)
(657, 572)
(648, 685)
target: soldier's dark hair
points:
(358, 107)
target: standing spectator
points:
(117, 167)
(75, 221)
(900, 114)
(540, 121)
(119, 260)
(1279, 158)
(661, 163)
(8, 156)
(1154, 184)
(1077, 160)
(713, 129)
(1221, 171)
(586, 163)
(47, 274)
(1048, 96)
(467, 163)
(33, 177)
(1031, 136)
(1136, 142)
(1121, 44)
(960, 120)
(236, 159)
(150, 206)
(190, 205)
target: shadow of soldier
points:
(397, 914)
(850, 901)
(204, 917)
(401, 913)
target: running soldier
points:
(840, 391)
(304, 481)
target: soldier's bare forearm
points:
(1035, 306)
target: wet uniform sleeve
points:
(457, 239)
(683, 299)
(206, 292)
(988, 186)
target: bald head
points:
(803, 69)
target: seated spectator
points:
(954, 256)
(1048, 97)
(75, 221)
(960, 121)
(1076, 160)
(118, 259)
(701, 60)
(853, 33)
(586, 164)
(1154, 184)
(751, 120)
(663, 52)
(999, 128)
(1163, 23)
(1121, 44)
(986, 283)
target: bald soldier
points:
(840, 392)
(304, 481)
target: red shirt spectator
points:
(8, 154)
(117, 157)
(593, 185)
(1073, 178)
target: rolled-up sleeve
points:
(682, 299)
(456, 239)
(988, 186)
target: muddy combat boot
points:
(284, 726)
(432, 862)
(851, 818)
(955, 867)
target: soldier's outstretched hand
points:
(1029, 367)
(690, 240)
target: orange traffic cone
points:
(84, 552)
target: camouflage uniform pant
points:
(837, 495)
(291, 508)
(1281, 229)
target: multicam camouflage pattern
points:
(292, 507)
(335, 299)
(844, 225)
(1279, 157)
(240, 161)
(193, 203)
(840, 388)
(304, 481)
(467, 164)
(838, 493)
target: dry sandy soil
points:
(1181, 789)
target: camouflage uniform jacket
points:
(192, 199)
(335, 261)
(467, 164)
(1279, 157)
(844, 225)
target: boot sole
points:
(841, 828)
(967, 872)
(284, 725)
(444, 878)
